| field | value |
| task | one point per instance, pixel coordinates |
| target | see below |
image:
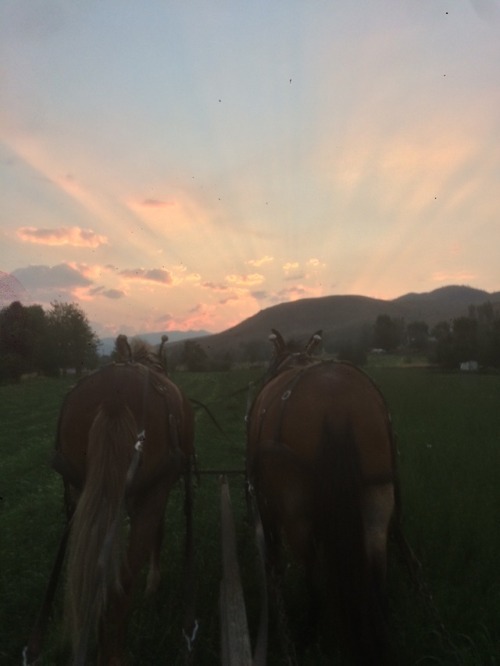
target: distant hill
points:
(108, 344)
(343, 316)
(340, 318)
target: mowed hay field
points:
(448, 428)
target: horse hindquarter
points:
(94, 559)
(320, 442)
(99, 425)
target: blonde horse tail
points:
(96, 544)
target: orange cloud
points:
(245, 280)
(453, 278)
(297, 291)
(290, 266)
(74, 236)
(256, 263)
(293, 271)
(315, 263)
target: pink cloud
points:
(74, 236)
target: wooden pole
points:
(235, 639)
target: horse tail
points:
(96, 544)
(339, 507)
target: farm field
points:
(448, 428)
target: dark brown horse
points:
(321, 458)
(125, 436)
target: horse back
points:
(157, 405)
(299, 406)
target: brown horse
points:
(125, 436)
(321, 458)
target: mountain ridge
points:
(338, 316)
(342, 316)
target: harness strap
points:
(284, 399)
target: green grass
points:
(448, 428)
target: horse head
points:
(289, 354)
(140, 351)
(123, 349)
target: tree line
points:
(447, 344)
(475, 337)
(51, 342)
(61, 339)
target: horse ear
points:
(277, 339)
(162, 354)
(123, 348)
(164, 340)
(314, 341)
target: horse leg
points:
(146, 521)
(300, 535)
(273, 540)
(153, 580)
(378, 507)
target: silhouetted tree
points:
(74, 342)
(388, 333)
(354, 352)
(418, 335)
(441, 351)
(194, 356)
(465, 345)
(255, 350)
(23, 336)
(455, 343)
(490, 346)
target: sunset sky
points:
(183, 164)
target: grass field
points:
(448, 428)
